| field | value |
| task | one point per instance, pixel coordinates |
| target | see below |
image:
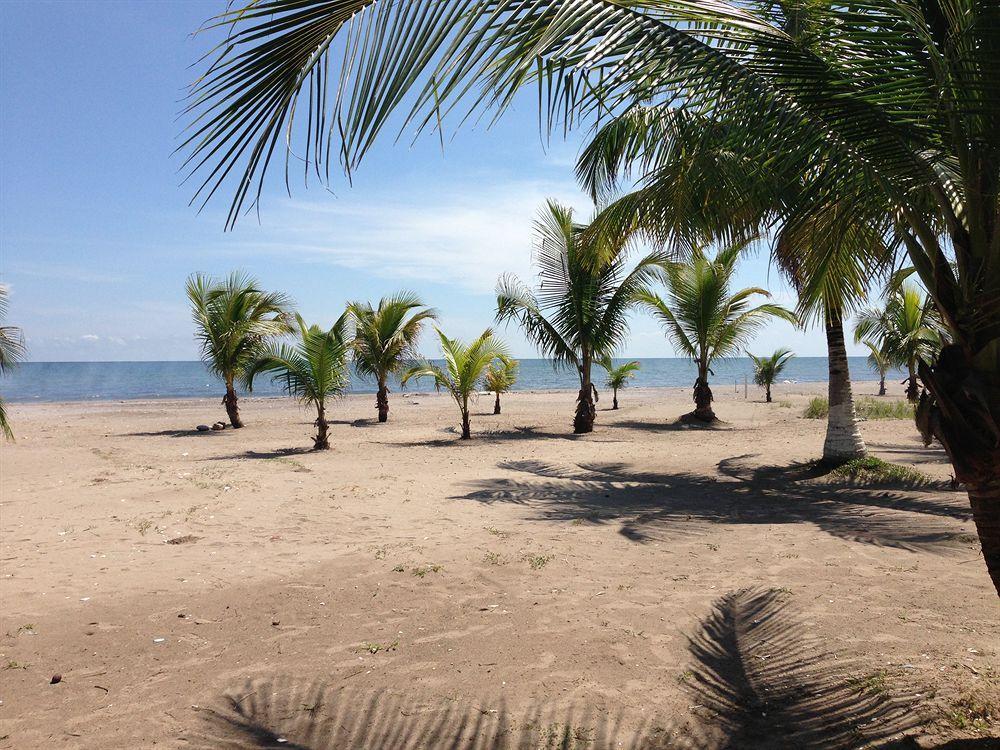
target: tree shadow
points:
(264, 455)
(178, 433)
(675, 425)
(914, 453)
(515, 433)
(757, 683)
(650, 506)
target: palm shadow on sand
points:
(649, 506)
(756, 681)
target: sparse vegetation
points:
(420, 572)
(973, 711)
(865, 408)
(871, 469)
(537, 562)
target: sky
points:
(97, 236)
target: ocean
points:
(115, 381)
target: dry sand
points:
(643, 586)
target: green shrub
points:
(818, 408)
(874, 470)
(865, 408)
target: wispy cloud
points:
(465, 238)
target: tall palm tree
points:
(907, 332)
(579, 313)
(11, 352)
(234, 320)
(894, 106)
(878, 362)
(314, 369)
(705, 319)
(767, 369)
(500, 378)
(619, 376)
(385, 340)
(464, 366)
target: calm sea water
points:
(84, 381)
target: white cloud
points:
(90, 337)
(466, 238)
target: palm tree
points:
(234, 320)
(891, 108)
(464, 367)
(11, 352)
(500, 378)
(385, 339)
(706, 320)
(767, 369)
(907, 332)
(313, 370)
(618, 376)
(579, 313)
(878, 362)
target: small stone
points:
(203, 428)
(56, 679)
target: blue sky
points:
(97, 238)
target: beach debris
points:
(56, 679)
(159, 640)
(219, 426)
(186, 539)
(203, 428)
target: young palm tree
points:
(705, 319)
(464, 367)
(890, 107)
(500, 378)
(313, 370)
(907, 332)
(579, 313)
(385, 340)
(618, 376)
(878, 362)
(767, 369)
(11, 352)
(234, 320)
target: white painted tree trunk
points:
(843, 439)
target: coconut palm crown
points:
(767, 369)
(314, 369)
(579, 311)
(234, 320)
(907, 331)
(705, 319)
(464, 367)
(619, 376)
(500, 378)
(11, 352)
(385, 340)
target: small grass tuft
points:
(873, 684)
(972, 711)
(537, 562)
(873, 470)
(424, 570)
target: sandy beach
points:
(646, 585)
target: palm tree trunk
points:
(961, 408)
(496, 404)
(231, 403)
(466, 427)
(703, 396)
(322, 439)
(382, 401)
(912, 394)
(767, 393)
(881, 385)
(614, 398)
(586, 411)
(843, 439)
